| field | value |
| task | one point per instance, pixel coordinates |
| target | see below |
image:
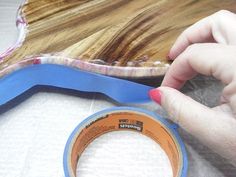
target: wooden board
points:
(127, 38)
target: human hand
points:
(208, 47)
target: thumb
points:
(209, 126)
(181, 109)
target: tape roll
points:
(126, 118)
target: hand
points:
(207, 47)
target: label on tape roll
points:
(126, 118)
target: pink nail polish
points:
(155, 95)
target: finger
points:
(217, 60)
(215, 28)
(213, 128)
(198, 33)
(229, 95)
(225, 108)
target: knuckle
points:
(218, 19)
(221, 15)
(223, 12)
(191, 49)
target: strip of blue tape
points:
(171, 127)
(120, 90)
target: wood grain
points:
(136, 33)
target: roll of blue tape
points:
(126, 118)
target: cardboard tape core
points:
(124, 119)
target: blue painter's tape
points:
(120, 90)
(168, 126)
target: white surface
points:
(129, 150)
(33, 134)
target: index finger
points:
(218, 27)
(212, 59)
(197, 33)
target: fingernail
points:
(155, 95)
(168, 56)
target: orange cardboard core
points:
(128, 120)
